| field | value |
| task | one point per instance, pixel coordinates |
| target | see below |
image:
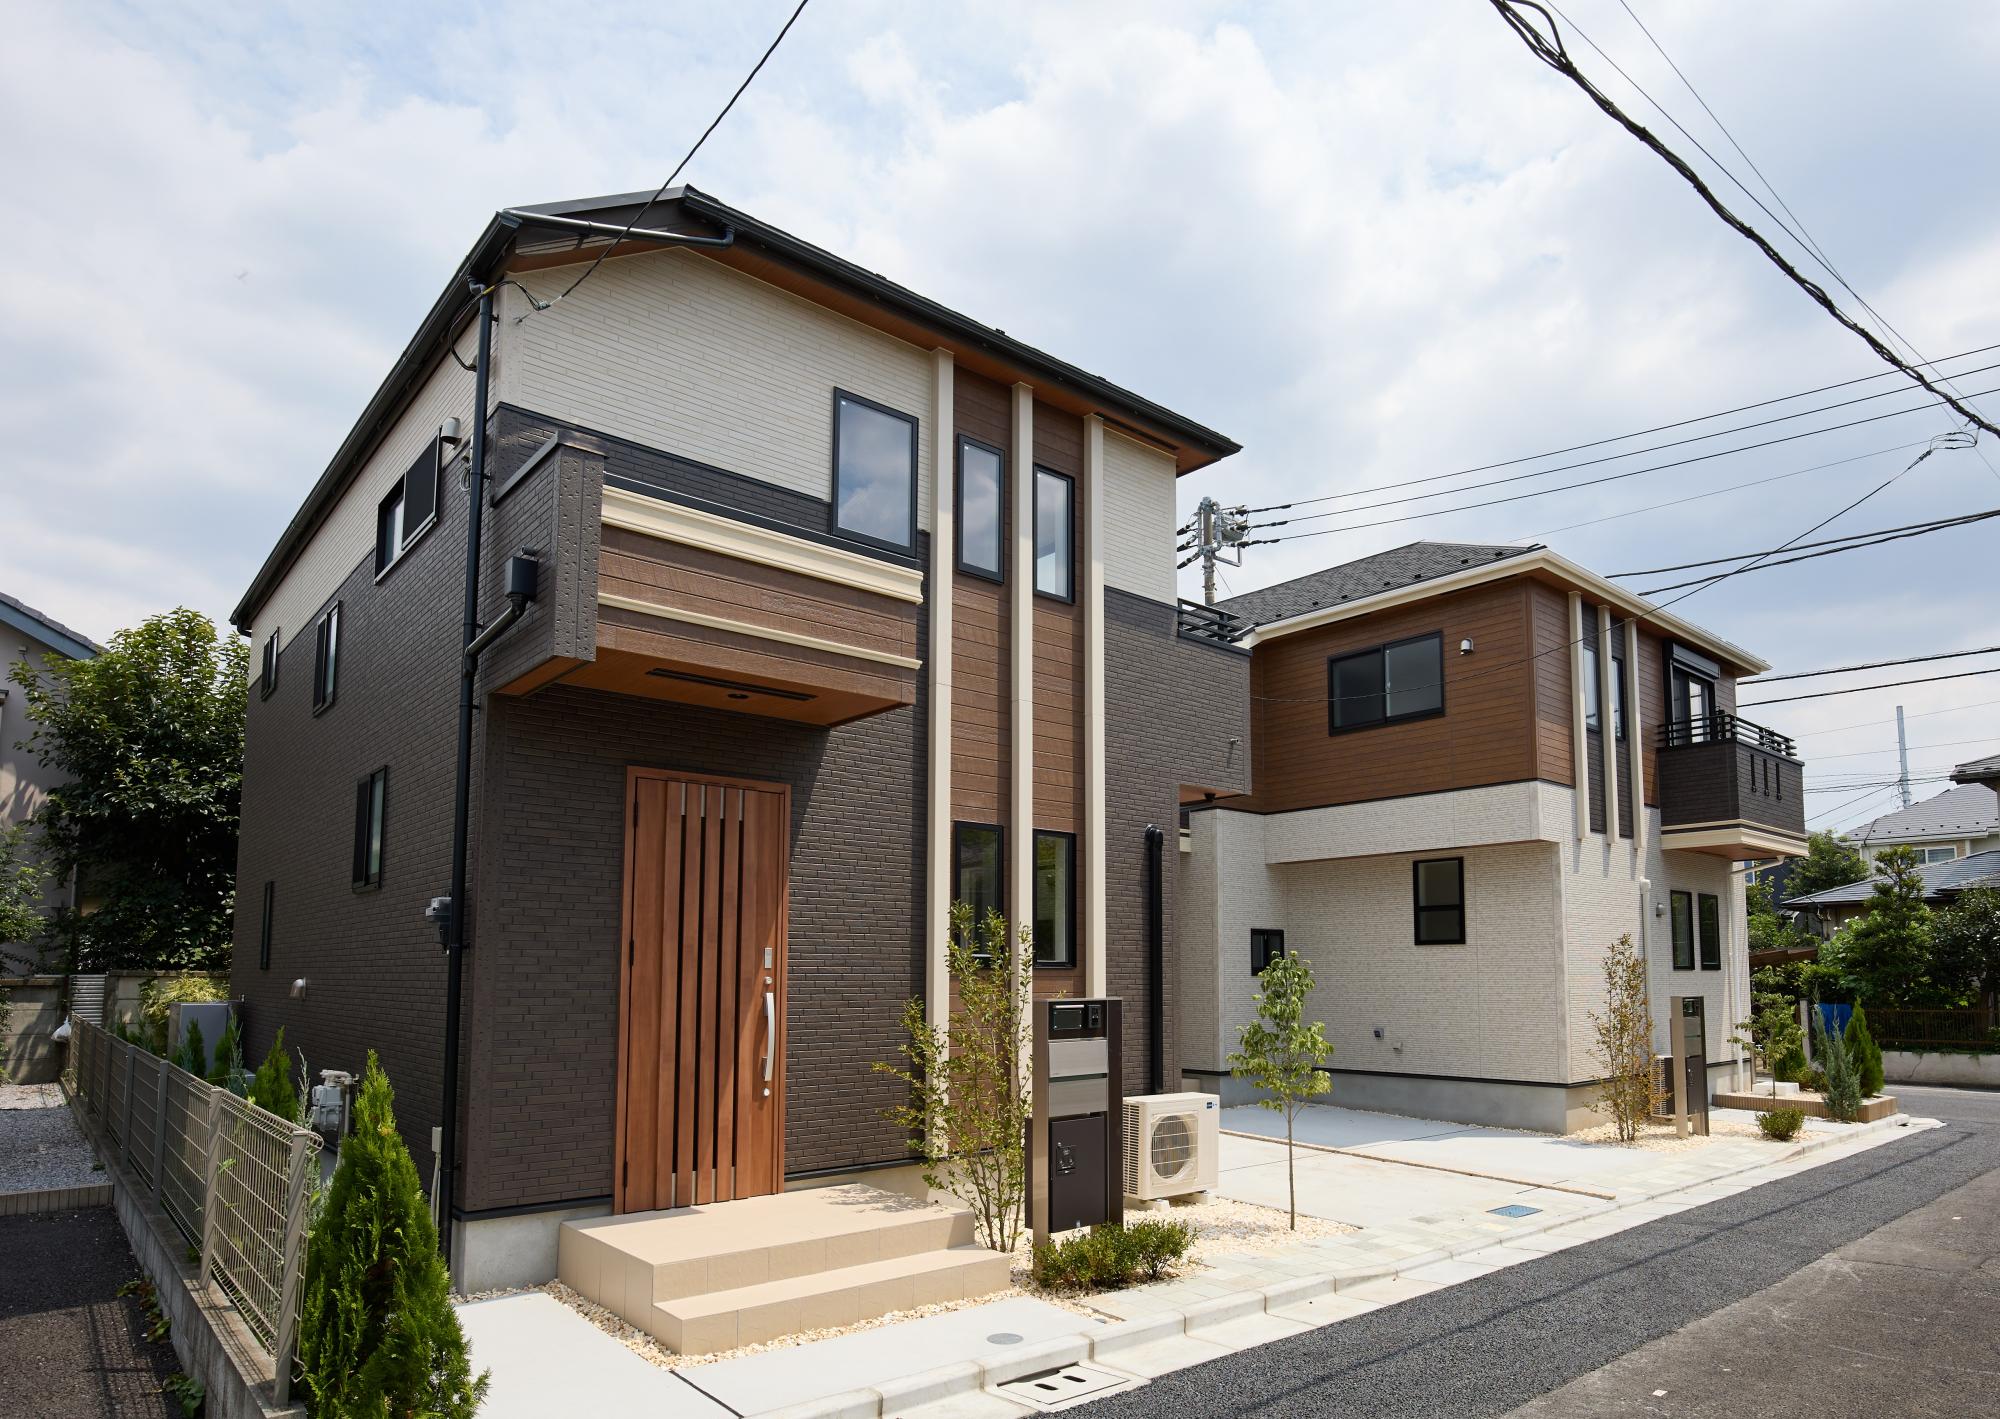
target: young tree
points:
(1888, 950)
(1828, 862)
(148, 740)
(1624, 1030)
(1965, 948)
(377, 1334)
(1772, 1031)
(271, 1088)
(1842, 1090)
(20, 902)
(1768, 929)
(1280, 1052)
(969, 1100)
(1866, 1054)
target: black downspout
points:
(468, 669)
(1156, 961)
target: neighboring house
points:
(1986, 771)
(1959, 822)
(848, 607)
(1825, 912)
(1443, 823)
(28, 634)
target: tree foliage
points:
(1965, 948)
(148, 740)
(1886, 954)
(1772, 1031)
(1828, 862)
(1281, 1051)
(969, 1100)
(21, 880)
(1624, 1029)
(1866, 1054)
(271, 1088)
(1841, 1089)
(377, 1334)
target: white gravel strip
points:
(40, 1144)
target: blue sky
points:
(1370, 242)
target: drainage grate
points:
(1514, 1209)
(1059, 1389)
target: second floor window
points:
(409, 510)
(982, 500)
(326, 658)
(1055, 513)
(874, 472)
(1593, 691)
(371, 809)
(1398, 681)
(267, 681)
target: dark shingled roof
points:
(1985, 770)
(1979, 869)
(1367, 576)
(75, 644)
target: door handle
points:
(770, 1034)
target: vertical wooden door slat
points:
(666, 1004)
(728, 1020)
(755, 1147)
(642, 999)
(715, 799)
(691, 905)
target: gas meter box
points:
(1076, 1135)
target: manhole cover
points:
(1004, 1337)
(1514, 1209)
(1059, 1389)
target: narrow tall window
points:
(1055, 899)
(1617, 692)
(1593, 691)
(981, 507)
(1439, 888)
(1681, 905)
(371, 802)
(1055, 513)
(1711, 932)
(979, 867)
(264, 928)
(874, 472)
(1386, 684)
(326, 658)
(267, 679)
(1267, 944)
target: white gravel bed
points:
(40, 1144)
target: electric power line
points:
(1761, 564)
(1892, 748)
(1859, 689)
(1828, 542)
(1870, 665)
(1878, 723)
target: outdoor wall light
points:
(299, 988)
(448, 433)
(1465, 646)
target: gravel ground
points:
(70, 1346)
(40, 1144)
(1481, 1348)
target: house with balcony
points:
(1473, 768)
(844, 607)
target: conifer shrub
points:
(1842, 1090)
(271, 1088)
(193, 1052)
(1866, 1054)
(377, 1334)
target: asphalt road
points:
(1751, 1283)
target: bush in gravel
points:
(377, 1334)
(1108, 1257)
(1781, 1124)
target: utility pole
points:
(1902, 760)
(1218, 538)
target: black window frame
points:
(1707, 913)
(1419, 907)
(1333, 699)
(264, 927)
(1068, 840)
(365, 878)
(959, 828)
(430, 464)
(267, 673)
(999, 574)
(1267, 944)
(833, 509)
(326, 659)
(1068, 598)
(1681, 928)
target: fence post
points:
(208, 1185)
(304, 1160)
(159, 1131)
(125, 1130)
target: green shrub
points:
(377, 1334)
(1842, 1090)
(158, 996)
(1814, 1078)
(271, 1088)
(1108, 1257)
(1789, 1067)
(1866, 1054)
(228, 1071)
(192, 1055)
(1781, 1124)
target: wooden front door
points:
(701, 1038)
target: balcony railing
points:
(1719, 728)
(1201, 622)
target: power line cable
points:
(1763, 564)
(1841, 807)
(1878, 723)
(1551, 51)
(1891, 748)
(1869, 665)
(660, 191)
(1828, 542)
(1862, 689)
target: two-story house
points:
(847, 607)
(1474, 768)
(1961, 821)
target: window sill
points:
(1041, 595)
(359, 887)
(1385, 723)
(409, 545)
(997, 578)
(321, 709)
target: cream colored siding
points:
(1221, 891)
(347, 535)
(1498, 813)
(1138, 518)
(679, 353)
(1725, 993)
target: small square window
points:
(874, 472)
(1681, 907)
(371, 803)
(326, 658)
(1055, 899)
(267, 679)
(1439, 887)
(1055, 516)
(264, 928)
(1267, 944)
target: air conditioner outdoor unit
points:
(1170, 1144)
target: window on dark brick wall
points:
(371, 811)
(1438, 885)
(409, 510)
(1709, 915)
(1267, 944)
(326, 658)
(1681, 908)
(267, 680)
(264, 928)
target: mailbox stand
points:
(1076, 1136)
(1687, 1031)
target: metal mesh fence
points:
(142, 1139)
(255, 1203)
(184, 1150)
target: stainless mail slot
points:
(1071, 1059)
(1068, 1097)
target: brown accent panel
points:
(1059, 440)
(981, 632)
(982, 408)
(1487, 734)
(1555, 726)
(1058, 691)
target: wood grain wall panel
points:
(1058, 657)
(1555, 727)
(981, 637)
(1487, 734)
(1652, 707)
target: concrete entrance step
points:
(751, 1315)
